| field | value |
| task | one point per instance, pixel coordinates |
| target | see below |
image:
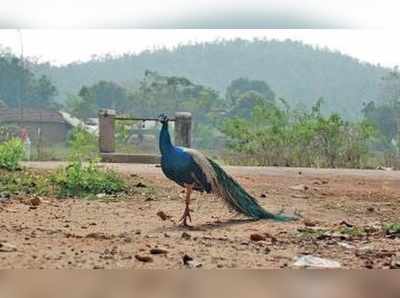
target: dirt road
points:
(344, 212)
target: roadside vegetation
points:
(274, 121)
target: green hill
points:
(300, 73)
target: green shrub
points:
(11, 153)
(281, 137)
(82, 145)
(393, 228)
(24, 182)
(78, 179)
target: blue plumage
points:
(178, 165)
(191, 169)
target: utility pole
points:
(22, 81)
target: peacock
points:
(192, 170)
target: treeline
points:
(250, 121)
(20, 85)
(296, 71)
(249, 118)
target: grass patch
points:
(24, 182)
(308, 233)
(11, 154)
(392, 229)
(353, 231)
(78, 179)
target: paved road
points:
(151, 170)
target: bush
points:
(82, 145)
(26, 182)
(78, 179)
(280, 137)
(11, 153)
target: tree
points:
(109, 95)
(246, 103)
(19, 85)
(102, 95)
(42, 93)
(240, 86)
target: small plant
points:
(11, 153)
(82, 145)
(78, 179)
(353, 231)
(392, 229)
(309, 233)
(24, 182)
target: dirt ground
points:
(343, 216)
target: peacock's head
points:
(163, 118)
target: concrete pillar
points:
(183, 129)
(106, 131)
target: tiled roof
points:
(30, 115)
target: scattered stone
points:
(319, 182)
(271, 237)
(186, 259)
(140, 185)
(257, 237)
(315, 262)
(162, 215)
(7, 247)
(144, 259)
(190, 262)
(158, 251)
(101, 195)
(98, 267)
(369, 264)
(345, 223)
(263, 195)
(309, 223)
(370, 209)
(299, 187)
(36, 201)
(149, 199)
(186, 236)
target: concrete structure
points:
(106, 131)
(183, 137)
(183, 129)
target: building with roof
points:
(50, 126)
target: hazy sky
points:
(61, 46)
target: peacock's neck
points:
(165, 140)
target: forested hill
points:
(297, 72)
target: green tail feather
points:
(240, 200)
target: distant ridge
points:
(298, 72)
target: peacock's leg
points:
(186, 213)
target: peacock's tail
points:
(239, 199)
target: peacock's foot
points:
(185, 216)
